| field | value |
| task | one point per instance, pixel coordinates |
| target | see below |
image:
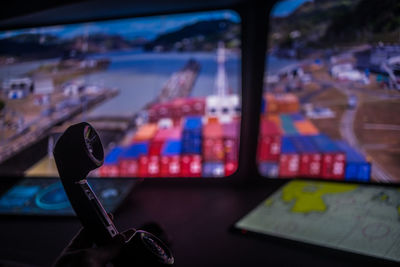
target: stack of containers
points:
(280, 103)
(110, 166)
(289, 161)
(269, 148)
(333, 157)
(128, 163)
(191, 147)
(170, 165)
(287, 125)
(213, 149)
(287, 103)
(157, 144)
(231, 146)
(161, 136)
(310, 157)
(148, 164)
(357, 167)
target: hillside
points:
(321, 23)
(202, 35)
(310, 20)
(369, 21)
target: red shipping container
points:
(191, 165)
(231, 141)
(155, 148)
(289, 165)
(333, 166)
(149, 166)
(197, 106)
(213, 149)
(109, 170)
(230, 167)
(170, 166)
(176, 108)
(231, 149)
(213, 144)
(269, 142)
(269, 148)
(128, 168)
(310, 165)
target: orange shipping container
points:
(146, 132)
(306, 127)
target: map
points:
(364, 219)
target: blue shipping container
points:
(297, 117)
(325, 144)
(136, 150)
(213, 169)
(287, 146)
(113, 156)
(269, 169)
(304, 144)
(172, 148)
(357, 167)
(192, 123)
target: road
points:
(347, 132)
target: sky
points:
(284, 8)
(148, 28)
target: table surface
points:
(197, 218)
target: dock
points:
(42, 125)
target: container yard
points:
(291, 146)
(191, 146)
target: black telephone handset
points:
(77, 152)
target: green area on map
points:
(363, 219)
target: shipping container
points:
(172, 147)
(149, 166)
(289, 160)
(357, 167)
(297, 117)
(271, 105)
(230, 167)
(184, 107)
(287, 125)
(191, 165)
(158, 111)
(333, 158)
(269, 169)
(110, 167)
(170, 166)
(145, 132)
(310, 157)
(128, 165)
(281, 103)
(192, 135)
(306, 128)
(269, 143)
(213, 143)
(213, 169)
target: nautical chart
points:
(358, 218)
